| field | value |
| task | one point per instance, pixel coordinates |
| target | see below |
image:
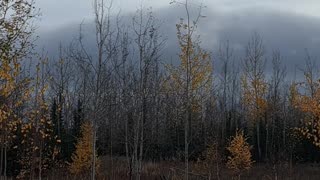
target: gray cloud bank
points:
(288, 32)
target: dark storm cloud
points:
(288, 32)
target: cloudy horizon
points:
(59, 14)
(282, 25)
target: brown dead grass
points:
(116, 169)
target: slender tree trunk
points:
(5, 163)
(217, 161)
(284, 133)
(136, 146)
(186, 143)
(127, 148)
(186, 152)
(258, 139)
(111, 148)
(141, 152)
(40, 162)
(273, 144)
(1, 161)
(93, 173)
(267, 139)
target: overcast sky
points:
(59, 13)
(290, 26)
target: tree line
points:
(123, 99)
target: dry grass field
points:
(169, 170)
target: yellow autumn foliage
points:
(240, 155)
(310, 105)
(13, 94)
(254, 96)
(195, 70)
(82, 157)
(39, 146)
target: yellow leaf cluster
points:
(240, 155)
(254, 96)
(38, 141)
(194, 73)
(310, 105)
(11, 89)
(82, 157)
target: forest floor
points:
(116, 169)
(170, 170)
